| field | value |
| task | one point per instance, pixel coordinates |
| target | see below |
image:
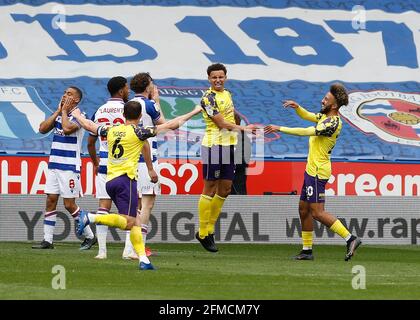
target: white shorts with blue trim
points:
(64, 183)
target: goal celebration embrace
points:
(208, 151)
(125, 144)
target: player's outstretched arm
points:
(85, 123)
(300, 111)
(178, 121)
(310, 131)
(221, 123)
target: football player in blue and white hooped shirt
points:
(63, 175)
(110, 113)
(146, 93)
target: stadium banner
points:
(245, 219)
(273, 50)
(99, 41)
(26, 175)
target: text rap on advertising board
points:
(244, 219)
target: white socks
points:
(144, 259)
(50, 218)
(91, 217)
(101, 231)
(144, 231)
(128, 245)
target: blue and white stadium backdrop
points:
(274, 50)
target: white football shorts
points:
(100, 187)
(65, 183)
(144, 185)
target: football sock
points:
(307, 240)
(102, 231)
(92, 217)
(75, 215)
(144, 230)
(340, 229)
(144, 259)
(50, 219)
(111, 220)
(216, 207)
(87, 232)
(128, 246)
(350, 238)
(204, 207)
(137, 241)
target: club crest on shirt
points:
(392, 116)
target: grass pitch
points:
(187, 272)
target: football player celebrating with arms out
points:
(217, 153)
(323, 137)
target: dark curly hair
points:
(216, 67)
(340, 94)
(115, 84)
(140, 82)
